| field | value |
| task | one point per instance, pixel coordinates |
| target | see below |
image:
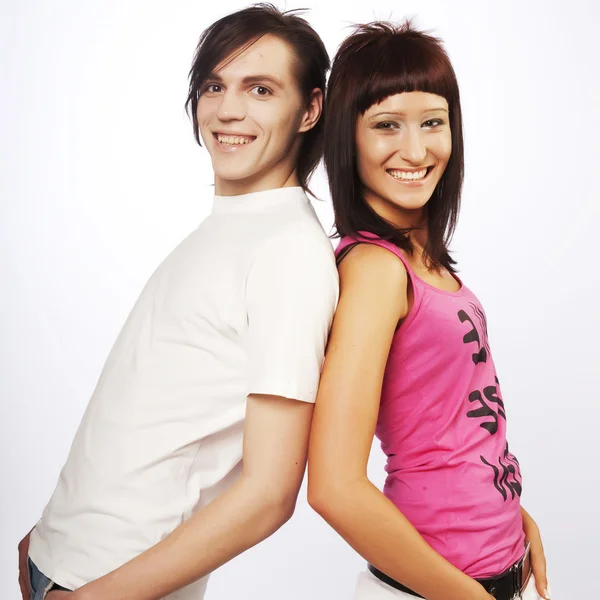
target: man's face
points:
(250, 114)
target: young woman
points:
(408, 357)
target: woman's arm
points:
(373, 298)
(538, 557)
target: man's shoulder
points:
(303, 239)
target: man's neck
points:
(225, 187)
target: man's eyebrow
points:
(263, 78)
(214, 77)
(250, 79)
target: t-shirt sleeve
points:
(291, 296)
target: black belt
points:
(506, 586)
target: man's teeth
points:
(233, 140)
(408, 175)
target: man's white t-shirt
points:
(243, 305)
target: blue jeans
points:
(40, 584)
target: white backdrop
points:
(100, 178)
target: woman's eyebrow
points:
(398, 113)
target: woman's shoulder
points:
(375, 282)
(373, 252)
(373, 268)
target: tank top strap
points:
(365, 237)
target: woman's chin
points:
(410, 203)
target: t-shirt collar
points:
(257, 202)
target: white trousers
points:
(369, 587)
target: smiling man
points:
(220, 357)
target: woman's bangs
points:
(401, 71)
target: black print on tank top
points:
(488, 408)
(507, 475)
(490, 393)
(479, 336)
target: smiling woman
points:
(376, 110)
(409, 358)
(404, 144)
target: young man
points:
(221, 355)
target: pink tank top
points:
(442, 426)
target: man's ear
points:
(313, 111)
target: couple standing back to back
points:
(194, 443)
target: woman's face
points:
(403, 145)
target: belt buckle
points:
(517, 570)
(515, 582)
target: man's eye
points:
(213, 88)
(261, 90)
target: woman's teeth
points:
(408, 175)
(233, 140)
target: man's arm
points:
(291, 293)
(262, 500)
(23, 570)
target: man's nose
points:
(232, 107)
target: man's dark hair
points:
(379, 60)
(240, 30)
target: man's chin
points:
(234, 175)
(236, 182)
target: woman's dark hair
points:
(234, 33)
(379, 60)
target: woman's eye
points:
(386, 125)
(261, 90)
(433, 123)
